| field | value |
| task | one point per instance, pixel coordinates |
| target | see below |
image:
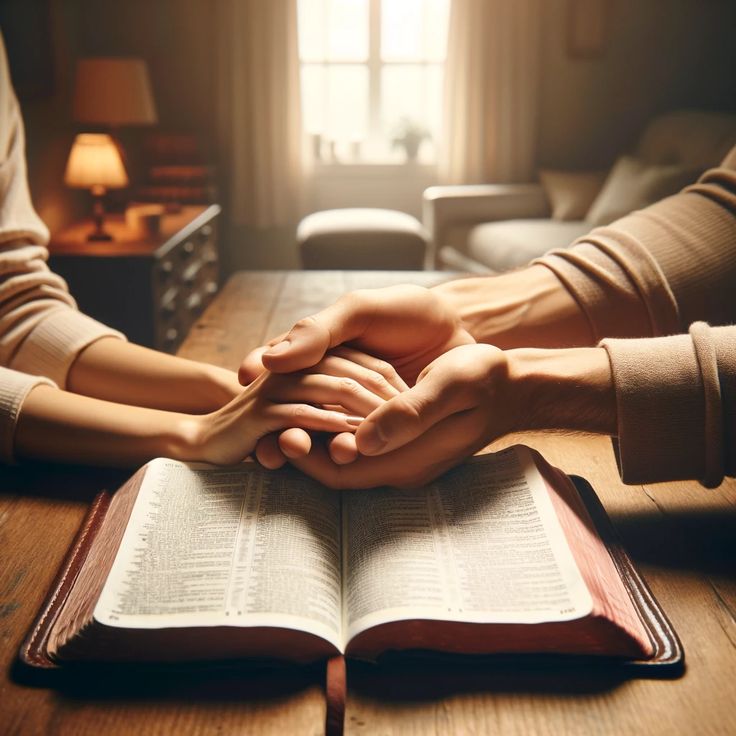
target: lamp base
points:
(99, 236)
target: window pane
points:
(414, 30)
(333, 30)
(411, 94)
(335, 101)
(411, 91)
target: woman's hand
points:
(332, 397)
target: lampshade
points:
(94, 163)
(113, 92)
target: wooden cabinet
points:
(153, 288)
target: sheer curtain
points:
(260, 115)
(491, 91)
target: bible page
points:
(209, 546)
(482, 545)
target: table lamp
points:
(113, 92)
(95, 164)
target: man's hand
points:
(406, 326)
(461, 402)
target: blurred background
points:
(275, 110)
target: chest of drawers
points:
(153, 288)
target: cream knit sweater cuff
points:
(14, 387)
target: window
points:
(371, 73)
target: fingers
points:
(415, 464)
(252, 365)
(377, 376)
(268, 453)
(319, 389)
(273, 450)
(342, 448)
(310, 338)
(295, 442)
(287, 416)
(409, 415)
(465, 378)
(377, 371)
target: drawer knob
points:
(194, 303)
(187, 248)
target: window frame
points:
(375, 65)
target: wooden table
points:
(683, 536)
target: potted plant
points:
(409, 135)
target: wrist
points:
(569, 389)
(185, 438)
(527, 307)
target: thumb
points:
(407, 416)
(252, 365)
(310, 338)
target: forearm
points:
(528, 307)
(61, 426)
(569, 389)
(118, 371)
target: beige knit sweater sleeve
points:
(656, 273)
(41, 330)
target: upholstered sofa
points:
(496, 227)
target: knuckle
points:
(349, 385)
(408, 409)
(304, 323)
(375, 381)
(300, 411)
(384, 368)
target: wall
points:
(660, 55)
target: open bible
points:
(502, 555)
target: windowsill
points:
(377, 169)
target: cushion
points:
(571, 193)
(511, 243)
(361, 238)
(633, 184)
(698, 139)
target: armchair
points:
(495, 227)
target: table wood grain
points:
(682, 536)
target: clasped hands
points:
(443, 396)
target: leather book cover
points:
(33, 652)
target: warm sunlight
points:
(372, 77)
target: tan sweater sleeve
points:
(653, 274)
(676, 405)
(660, 269)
